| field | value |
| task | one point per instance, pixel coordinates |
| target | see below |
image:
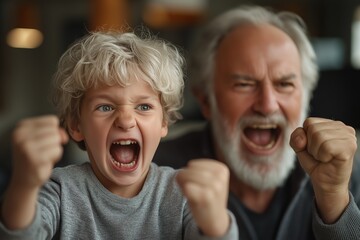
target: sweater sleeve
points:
(345, 228)
(31, 232)
(46, 220)
(193, 232)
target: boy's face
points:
(122, 128)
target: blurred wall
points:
(25, 75)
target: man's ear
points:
(203, 101)
(74, 131)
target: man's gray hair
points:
(202, 63)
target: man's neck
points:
(254, 199)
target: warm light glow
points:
(109, 15)
(24, 38)
(174, 13)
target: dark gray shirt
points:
(297, 217)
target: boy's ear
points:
(75, 131)
(164, 129)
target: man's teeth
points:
(125, 142)
(270, 144)
(264, 126)
(267, 146)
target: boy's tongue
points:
(261, 137)
(122, 154)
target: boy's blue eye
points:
(143, 107)
(105, 108)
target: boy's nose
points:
(266, 102)
(125, 120)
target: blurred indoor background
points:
(34, 34)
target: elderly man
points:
(253, 75)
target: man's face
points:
(256, 103)
(122, 127)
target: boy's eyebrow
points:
(112, 97)
(99, 96)
(144, 97)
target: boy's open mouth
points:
(124, 154)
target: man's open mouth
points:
(124, 154)
(262, 136)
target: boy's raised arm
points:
(205, 183)
(37, 146)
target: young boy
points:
(116, 94)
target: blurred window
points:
(329, 53)
(355, 39)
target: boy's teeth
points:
(125, 142)
(124, 165)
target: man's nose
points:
(125, 119)
(266, 102)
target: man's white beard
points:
(260, 172)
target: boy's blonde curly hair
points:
(115, 58)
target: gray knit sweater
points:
(74, 205)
